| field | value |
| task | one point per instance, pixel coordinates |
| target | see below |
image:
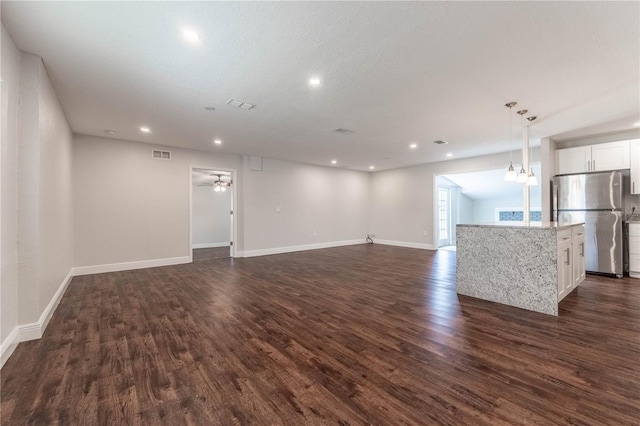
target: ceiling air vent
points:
(440, 142)
(240, 104)
(160, 155)
(343, 131)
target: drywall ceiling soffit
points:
(394, 73)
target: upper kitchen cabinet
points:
(593, 158)
(635, 166)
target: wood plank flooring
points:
(364, 334)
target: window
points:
(443, 213)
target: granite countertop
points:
(529, 225)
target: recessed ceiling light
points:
(334, 161)
(449, 154)
(413, 146)
(371, 167)
(110, 132)
(145, 129)
(637, 124)
(314, 81)
(217, 141)
(440, 142)
(210, 108)
(191, 36)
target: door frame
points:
(234, 207)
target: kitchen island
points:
(527, 265)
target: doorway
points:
(212, 200)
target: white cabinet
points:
(573, 160)
(634, 165)
(577, 247)
(570, 259)
(634, 250)
(610, 156)
(593, 158)
(565, 282)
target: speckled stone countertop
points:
(531, 225)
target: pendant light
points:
(510, 175)
(522, 175)
(532, 180)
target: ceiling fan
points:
(220, 182)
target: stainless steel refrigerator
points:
(595, 199)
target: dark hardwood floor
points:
(364, 334)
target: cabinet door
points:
(610, 156)
(573, 160)
(634, 165)
(564, 269)
(578, 270)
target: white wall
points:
(485, 210)
(465, 210)
(129, 207)
(37, 216)
(55, 219)
(401, 207)
(317, 205)
(211, 218)
(8, 189)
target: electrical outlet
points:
(425, 233)
(278, 209)
(314, 233)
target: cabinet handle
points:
(588, 165)
(568, 261)
(594, 166)
(582, 249)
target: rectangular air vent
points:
(440, 142)
(240, 104)
(343, 131)
(160, 155)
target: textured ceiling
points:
(394, 73)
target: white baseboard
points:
(34, 330)
(405, 244)
(210, 245)
(280, 250)
(128, 266)
(8, 345)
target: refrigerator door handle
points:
(555, 203)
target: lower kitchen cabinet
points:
(577, 245)
(565, 282)
(634, 250)
(571, 264)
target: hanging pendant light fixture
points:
(532, 180)
(522, 175)
(510, 175)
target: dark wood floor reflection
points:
(351, 335)
(211, 253)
